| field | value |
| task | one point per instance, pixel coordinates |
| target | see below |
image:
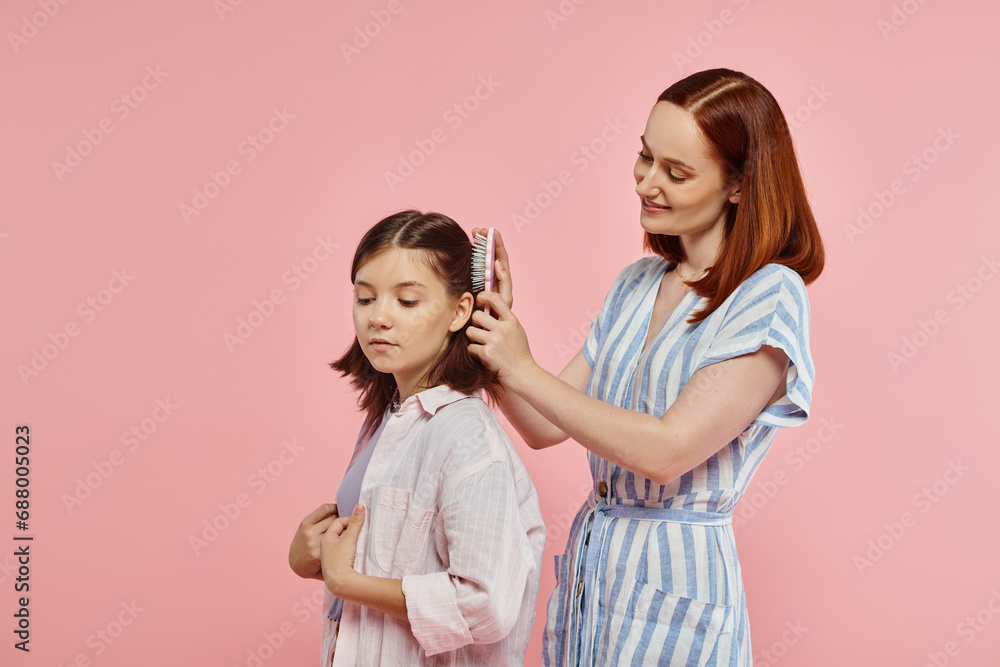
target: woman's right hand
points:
(501, 267)
(304, 552)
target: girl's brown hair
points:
(772, 223)
(449, 253)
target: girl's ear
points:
(463, 311)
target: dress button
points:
(602, 489)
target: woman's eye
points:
(676, 179)
(645, 158)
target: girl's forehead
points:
(395, 265)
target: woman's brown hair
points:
(772, 223)
(449, 254)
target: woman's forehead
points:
(674, 133)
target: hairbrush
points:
(483, 257)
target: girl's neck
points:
(405, 391)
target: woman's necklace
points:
(687, 279)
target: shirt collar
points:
(433, 399)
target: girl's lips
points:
(381, 345)
(650, 207)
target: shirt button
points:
(602, 489)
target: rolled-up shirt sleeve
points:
(483, 540)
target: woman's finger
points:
(502, 271)
(501, 311)
(477, 333)
(485, 319)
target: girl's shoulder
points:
(471, 433)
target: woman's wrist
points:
(522, 377)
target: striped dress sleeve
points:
(771, 308)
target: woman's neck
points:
(701, 251)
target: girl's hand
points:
(501, 267)
(304, 552)
(499, 341)
(338, 547)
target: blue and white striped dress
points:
(650, 574)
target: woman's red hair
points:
(772, 223)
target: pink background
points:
(845, 561)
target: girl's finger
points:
(324, 525)
(323, 511)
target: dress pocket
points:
(660, 628)
(400, 532)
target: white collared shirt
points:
(451, 511)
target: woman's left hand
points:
(499, 340)
(338, 547)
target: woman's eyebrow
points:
(679, 163)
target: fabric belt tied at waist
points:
(594, 552)
(672, 514)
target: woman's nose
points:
(645, 185)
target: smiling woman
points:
(698, 357)
(440, 557)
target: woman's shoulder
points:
(636, 274)
(772, 278)
(768, 288)
(642, 267)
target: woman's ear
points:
(463, 311)
(734, 191)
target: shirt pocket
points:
(654, 624)
(401, 531)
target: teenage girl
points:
(437, 558)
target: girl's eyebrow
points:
(679, 163)
(405, 283)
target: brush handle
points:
(490, 260)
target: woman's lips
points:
(650, 207)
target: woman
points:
(699, 354)
(439, 561)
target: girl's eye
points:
(645, 158)
(364, 301)
(407, 304)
